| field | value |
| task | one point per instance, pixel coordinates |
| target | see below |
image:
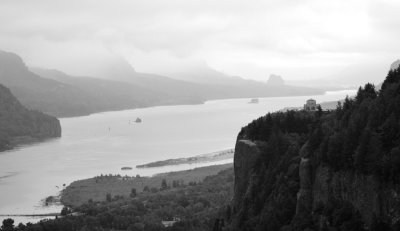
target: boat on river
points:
(254, 100)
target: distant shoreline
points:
(198, 102)
(21, 141)
(31, 215)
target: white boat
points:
(254, 100)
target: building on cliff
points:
(311, 105)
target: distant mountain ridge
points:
(35, 92)
(206, 83)
(206, 75)
(121, 87)
(275, 80)
(20, 125)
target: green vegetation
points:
(314, 171)
(193, 207)
(359, 140)
(19, 125)
(97, 188)
(362, 134)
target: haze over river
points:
(103, 143)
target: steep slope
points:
(173, 91)
(18, 124)
(35, 92)
(63, 96)
(336, 170)
(108, 94)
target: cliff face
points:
(263, 192)
(303, 196)
(245, 159)
(337, 170)
(19, 125)
(368, 195)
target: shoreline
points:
(197, 159)
(31, 215)
(22, 141)
(193, 103)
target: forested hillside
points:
(336, 170)
(18, 124)
(184, 205)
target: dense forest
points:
(192, 206)
(325, 170)
(295, 170)
(363, 134)
(18, 124)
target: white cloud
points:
(298, 39)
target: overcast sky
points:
(294, 38)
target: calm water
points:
(103, 143)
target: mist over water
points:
(103, 143)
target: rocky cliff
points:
(275, 80)
(337, 170)
(20, 125)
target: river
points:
(102, 143)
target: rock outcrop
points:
(275, 80)
(314, 190)
(246, 158)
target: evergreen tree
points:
(164, 184)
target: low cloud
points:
(253, 38)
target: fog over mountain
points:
(118, 86)
(306, 40)
(199, 115)
(275, 80)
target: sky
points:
(297, 39)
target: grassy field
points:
(97, 188)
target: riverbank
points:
(88, 147)
(97, 188)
